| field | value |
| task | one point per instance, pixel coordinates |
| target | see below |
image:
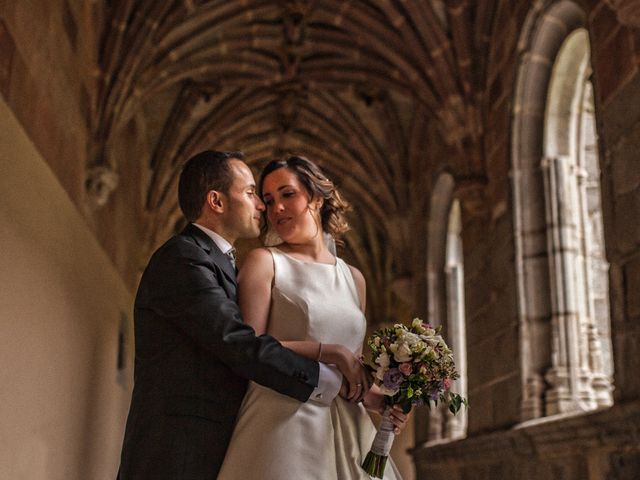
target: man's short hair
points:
(205, 171)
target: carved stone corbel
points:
(101, 181)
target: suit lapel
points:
(219, 258)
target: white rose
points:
(410, 338)
(383, 360)
(388, 391)
(418, 347)
(401, 352)
(417, 325)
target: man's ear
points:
(215, 201)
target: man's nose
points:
(260, 204)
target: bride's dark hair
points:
(317, 185)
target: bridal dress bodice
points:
(277, 437)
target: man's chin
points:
(251, 234)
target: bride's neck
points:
(315, 249)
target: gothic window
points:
(456, 426)
(445, 283)
(562, 270)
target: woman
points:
(313, 302)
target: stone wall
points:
(50, 78)
(619, 121)
(66, 336)
(599, 445)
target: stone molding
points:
(539, 439)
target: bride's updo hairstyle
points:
(317, 185)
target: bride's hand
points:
(356, 374)
(374, 401)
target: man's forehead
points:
(241, 171)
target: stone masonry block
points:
(602, 23)
(615, 64)
(7, 51)
(506, 402)
(627, 226)
(626, 378)
(479, 406)
(621, 113)
(625, 162)
(624, 465)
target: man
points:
(194, 354)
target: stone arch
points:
(559, 350)
(445, 295)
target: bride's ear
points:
(316, 204)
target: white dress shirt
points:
(329, 378)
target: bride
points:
(313, 302)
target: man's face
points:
(244, 207)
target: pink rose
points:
(447, 383)
(405, 368)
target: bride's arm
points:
(254, 289)
(254, 297)
(374, 399)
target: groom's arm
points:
(255, 280)
(183, 287)
(329, 383)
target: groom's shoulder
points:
(178, 246)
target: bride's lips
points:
(282, 221)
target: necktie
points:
(232, 256)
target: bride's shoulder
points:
(358, 278)
(259, 256)
(258, 263)
(361, 285)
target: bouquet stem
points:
(376, 459)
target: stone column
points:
(570, 373)
(456, 425)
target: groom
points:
(194, 354)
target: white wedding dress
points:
(277, 437)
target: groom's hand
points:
(357, 377)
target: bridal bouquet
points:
(414, 366)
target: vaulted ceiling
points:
(381, 93)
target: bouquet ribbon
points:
(384, 438)
(377, 457)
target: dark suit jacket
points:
(192, 361)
